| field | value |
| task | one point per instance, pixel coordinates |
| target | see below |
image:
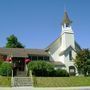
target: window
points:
(70, 55)
(40, 57)
(34, 57)
(46, 58)
(72, 70)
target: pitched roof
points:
(21, 52)
(57, 63)
(66, 19)
(61, 53)
(77, 46)
(37, 52)
(48, 47)
(14, 52)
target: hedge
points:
(6, 69)
(43, 68)
(40, 68)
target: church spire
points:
(66, 21)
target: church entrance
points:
(18, 65)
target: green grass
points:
(61, 81)
(5, 81)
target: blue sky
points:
(37, 23)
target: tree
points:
(82, 61)
(88, 65)
(12, 42)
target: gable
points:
(77, 46)
(76, 49)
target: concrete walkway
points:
(52, 88)
(64, 88)
(5, 88)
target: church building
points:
(61, 52)
(64, 49)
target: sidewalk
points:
(64, 88)
(47, 88)
(5, 88)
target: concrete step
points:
(21, 74)
(22, 81)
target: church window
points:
(70, 55)
(72, 70)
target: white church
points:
(61, 52)
(64, 49)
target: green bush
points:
(43, 68)
(1, 61)
(40, 68)
(52, 73)
(61, 73)
(88, 70)
(6, 69)
(88, 67)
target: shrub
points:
(88, 70)
(1, 61)
(52, 73)
(88, 67)
(43, 68)
(61, 73)
(40, 68)
(6, 69)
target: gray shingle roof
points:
(57, 63)
(21, 52)
(37, 52)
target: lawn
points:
(5, 81)
(61, 81)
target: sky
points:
(37, 23)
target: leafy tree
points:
(82, 62)
(12, 42)
(88, 65)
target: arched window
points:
(72, 70)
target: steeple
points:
(67, 34)
(66, 24)
(66, 21)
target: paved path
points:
(5, 88)
(22, 88)
(31, 88)
(64, 88)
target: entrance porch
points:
(19, 66)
